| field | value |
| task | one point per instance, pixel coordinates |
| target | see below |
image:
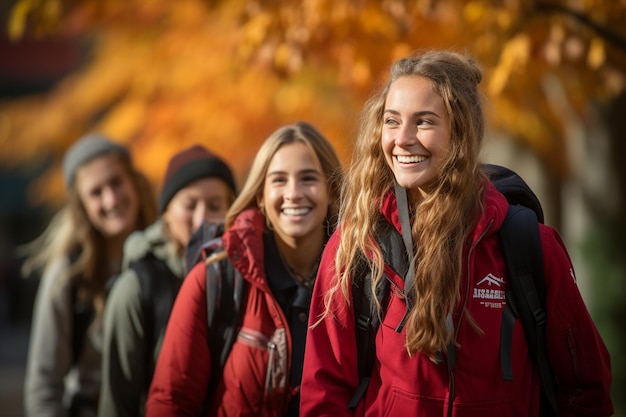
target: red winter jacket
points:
(248, 387)
(415, 386)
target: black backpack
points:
(521, 246)
(158, 290)
(224, 294)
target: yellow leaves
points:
(513, 58)
(287, 58)
(480, 14)
(126, 119)
(597, 53)
(45, 16)
(257, 28)
(474, 11)
(293, 98)
(361, 74)
(378, 23)
(19, 15)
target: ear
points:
(259, 204)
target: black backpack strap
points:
(201, 242)
(366, 318)
(366, 328)
(224, 294)
(158, 290)
(521, 245)
(82, 316)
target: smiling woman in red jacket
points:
(275, 232)
(421, 135)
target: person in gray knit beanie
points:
(78, 253)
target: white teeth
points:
(410, 159)
(113, 213)
(296, 212)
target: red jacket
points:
(415, 386)
(248, 387)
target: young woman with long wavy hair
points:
(438, 344)
(108, 198)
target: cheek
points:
(178, 222)
(131, 192)
(92, 208)
(217, 215)
(323, 200)
(181, 218)
(385, 140)
(387, 148)
(442, 148)
(271, 197)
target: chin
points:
(411, 183)
(118, 230)
(408, 184)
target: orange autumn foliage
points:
(226, 73)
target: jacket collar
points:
(494, 210)
(243, 242)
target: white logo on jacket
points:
(490, 292)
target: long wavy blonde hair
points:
(443, 218)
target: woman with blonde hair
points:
(275, 232)
(79, 252)
(437, 347)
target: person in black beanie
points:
(198, 186)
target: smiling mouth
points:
(296, 211)
(410, 159)
(113, 213)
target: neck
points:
(115, 249)
(302, 255)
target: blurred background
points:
(159, 75)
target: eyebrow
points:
(305, 171)
(416, 114)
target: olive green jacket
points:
(124, 368)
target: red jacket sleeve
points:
(180, 382)
(580, 361)
(330, 374)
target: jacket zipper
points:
(573, 351)
(257, 339)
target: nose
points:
(109, 197)
(407, 135)
(200, 214)
(292, 191)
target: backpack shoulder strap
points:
(521, 246)
(82, 316)
(224, 294)
(366, 318)
(158, 290)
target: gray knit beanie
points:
(85, 149)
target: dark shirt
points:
(294, 300)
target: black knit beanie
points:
(189, 165)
